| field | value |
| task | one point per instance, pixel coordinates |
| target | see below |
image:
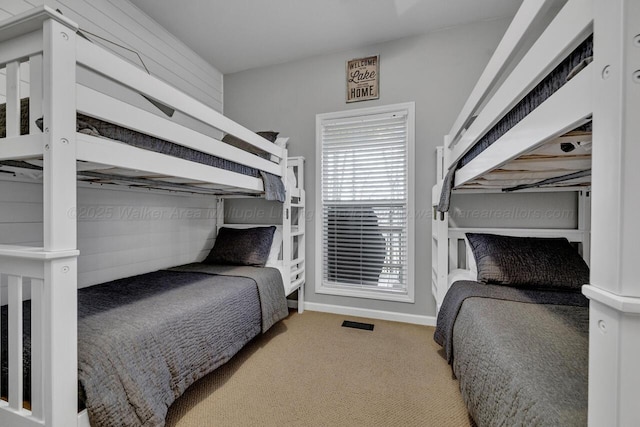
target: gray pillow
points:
(241, 144)
(531, 262)
(242, 246)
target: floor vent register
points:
(357, 325)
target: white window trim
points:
(348, 291)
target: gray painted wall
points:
(515, 210)
(436, 70)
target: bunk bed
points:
(552, 111)
(73, 133)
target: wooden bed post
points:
(59, 187)
(614, 337)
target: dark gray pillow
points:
(242, 246)
(241, 144)
(528, 261)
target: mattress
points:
(143, 340)
(522, 362)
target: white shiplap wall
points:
(13, 7)
(124, 24)
(120, 232)
(167, 58)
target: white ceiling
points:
(236, 35)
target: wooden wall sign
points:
(363, 79)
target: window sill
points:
(365, 293)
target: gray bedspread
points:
(460, 291)
(143, 340)
(273, 187)
(520, 362)
(273, 301)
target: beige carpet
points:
(309, 371)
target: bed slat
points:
(13, 99)
(36, 91)
(15, 343)
(37, 349)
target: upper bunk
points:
(527, 122)
(132, 128)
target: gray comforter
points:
(143, 340)
(519, 362)
(269, 281)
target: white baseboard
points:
(371, 314)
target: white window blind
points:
(365, 202)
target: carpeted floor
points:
(309, 371)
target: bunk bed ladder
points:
(297, 212)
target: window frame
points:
(407, 108)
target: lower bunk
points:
(143, 340)
(517, 335)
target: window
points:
(364, 202)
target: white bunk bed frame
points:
(49, 43)
(608, 90)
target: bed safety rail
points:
(25, 274)
(493, 96)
